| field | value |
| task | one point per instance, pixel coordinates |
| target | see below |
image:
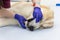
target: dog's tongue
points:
(37, 13)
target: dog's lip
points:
(29, 20)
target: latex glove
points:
(37, 14)
(21, 20)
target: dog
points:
(26, 9)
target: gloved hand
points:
(37, 14)
(21, 20)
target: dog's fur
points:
(26, 9)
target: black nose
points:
(31, 28)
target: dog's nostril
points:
(31, 28)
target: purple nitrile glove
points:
(21, 20)
(37, 13)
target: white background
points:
(16, 33)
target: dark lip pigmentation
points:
(30, 19)
(31, 28)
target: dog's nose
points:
(31, 28)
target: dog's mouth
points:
(31, 28)
(29, 20)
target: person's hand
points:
(37, 13)
(21, 20)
